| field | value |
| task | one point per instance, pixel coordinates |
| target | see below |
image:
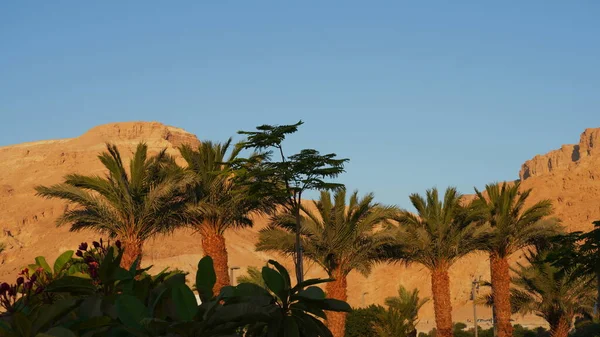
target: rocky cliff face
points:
(568, 157)
(570, 177)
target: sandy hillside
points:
(569, 176)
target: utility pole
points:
(474, 292)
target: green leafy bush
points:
(519, 331)
(108, 300)
(360, 321)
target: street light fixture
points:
(474, 291)
(231, 269)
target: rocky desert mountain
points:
(569, 176)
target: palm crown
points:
(513, 225)
(144, 202)
(219, 201)
(335, 234)
(440, 232)
(408, 303)
(150, 200)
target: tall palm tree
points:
(553, 293)
(440, 233)
(130, 206)
(513, 227)
(338, 236)
(218, 201)
(408, 304)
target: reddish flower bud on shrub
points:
(83, 246)
(4, 287)
(96, 244)
(20, 280)
(25, 271)
(79, 253)
(33, 278)
(118, 244)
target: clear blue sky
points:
(417, 94)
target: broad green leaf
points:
(58, 332)
(74, 269)
(311, 282)
(141, 288)
(133, 267)
(290, 327)
(283, 272)
(107, 266)
(61, 261)
(72, 284)
(314, 293)
(250, 289)
(50, 313)
(22, 324)
(92, 323)
(91, 306)
(205, 278)
(308, 307)
(336, 305)
(79, 274)
(131, 311)
(157, 300)
(275, 282)
(4, 327)
(185, 302)
(41, 261)
(227, 292)
(315, 326)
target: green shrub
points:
(460, 330)
(107, 300)
(360, 321)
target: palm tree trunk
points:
(501, 294)
(132, 250)
(214, 246)
(561, 327)
(336, 321)
(440, 288)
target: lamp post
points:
(363, 298)
(474, 292)
(231, 269)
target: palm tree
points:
(130, 206)
(513, 227)
(553, 293)
(393, 323)
(254, 276)
(407, 304)
(440, 233)
(219, 202)
(338, 236)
